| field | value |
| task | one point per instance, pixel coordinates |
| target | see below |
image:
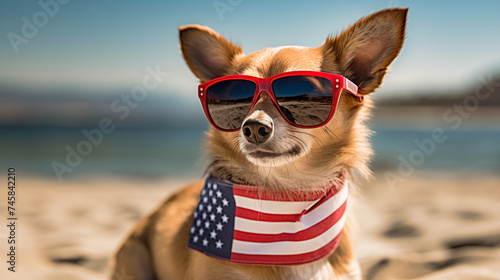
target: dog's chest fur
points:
(320, 270)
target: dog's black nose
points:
(256, 132)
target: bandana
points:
(244, 224)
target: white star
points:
(219, 244)
(205, 199)
(201, 231)
(219, 209)
(219, 226)
(207, 224)
(198, 222)
(212, 217)
(215, 186)
(203, 192)
(225, 219)
(205, 242)
(209, 208)
(195, 238)
(209, 185)
(210, 193)
(196, 214)
(200, 207)
(204, 215)
(213, 234)
(214, 200)
(192, 229)
(219, 194)
(225, 202)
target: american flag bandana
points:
(243, 224)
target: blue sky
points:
(107, 44)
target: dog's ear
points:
(206, 52)
(363, 51)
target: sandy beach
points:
(431, 226)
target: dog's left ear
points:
(364, 51)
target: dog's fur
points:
(294, 159)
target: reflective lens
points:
(229, 102)
(304, 100)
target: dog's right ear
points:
(206, 52)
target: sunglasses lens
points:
(304, 100)
(229, 102)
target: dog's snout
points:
(256, 132)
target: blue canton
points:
(213, 220)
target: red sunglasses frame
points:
(339, 83)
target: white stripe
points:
(273, 207)
(350, 86)
(289, 247)
(308, 220)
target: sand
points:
(431, 226)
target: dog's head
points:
(269, 151)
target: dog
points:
(266, 143)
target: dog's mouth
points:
(271, 156)
(262, 154)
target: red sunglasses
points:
(305, 99)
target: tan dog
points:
(156, 248)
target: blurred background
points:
(69, 71)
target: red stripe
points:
(257, 193)
(265, 217)
(302, 235)
(288, 259)
(331, 192)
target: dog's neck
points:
(284, 179)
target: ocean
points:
(158, 153)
